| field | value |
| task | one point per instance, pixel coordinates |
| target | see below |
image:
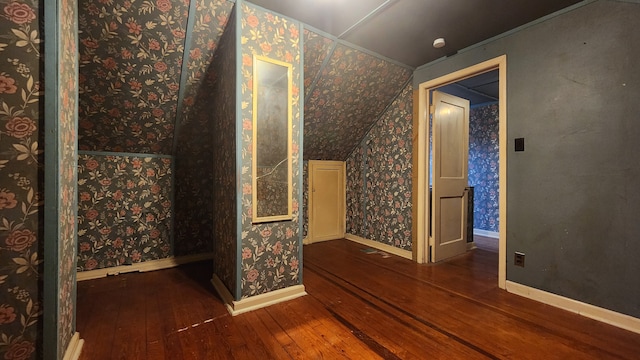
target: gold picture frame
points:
(272, 187)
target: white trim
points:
(594, 312)
(380, 246)
(144, 266)
(486, 233)
(309, 241)
(471, 246)
(255, 302)
(75, 348)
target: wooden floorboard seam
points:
(435, 327)
(543, 328)
(364, 338)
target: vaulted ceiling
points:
(358, 56)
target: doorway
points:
(421, 161)
(326, 200)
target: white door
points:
(326, 200)
(450, 175)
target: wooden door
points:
(326, 200)
(450, 175)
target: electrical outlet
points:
(518, 259)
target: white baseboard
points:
(144, 266)
(380, 246)
(308, 241)
(486, 233)
(594, 312)
(255, 302)
(75, 348)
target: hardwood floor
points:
(360, 306)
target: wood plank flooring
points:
(360, 306)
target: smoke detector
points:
(438, 43)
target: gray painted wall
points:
(573, 195)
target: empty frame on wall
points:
(271, 153)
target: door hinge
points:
(432, 109)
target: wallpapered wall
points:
(379, 178)
(130, 63)
(21, 127)
(483, 165)
(194, 150)
(124, 208)
(271, 251)
(355, 196)
(21, 193)
(67, 165)
(351, 93)
(316, 50)
(130, 79)
(223, 165)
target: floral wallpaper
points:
(352, 93)
(271, 251)
(483, 165)
(124, 210)
(224, 213)
(316, 50)
(387, 152)
(355, 192)
(130, 63)
(21, 186)
(67, 130)
(194, 151)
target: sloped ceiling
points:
(130, 66)
(345, 96)
(132, 53)
(131, 74)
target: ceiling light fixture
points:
(438, 43)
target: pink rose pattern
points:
(124, 210)
(316, 50)
(130, 62)
(275, 247)
(223, 164)
(195, 152)
(484, 158)
(67, 193)
(21, 161)
(352, 93)
(379, 178)
(356, 192)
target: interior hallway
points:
(360, 306)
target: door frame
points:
(421, 159)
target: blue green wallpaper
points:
(21, 189)
(484, 165)
(270, 251)
(351, 93)
(379, 178)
